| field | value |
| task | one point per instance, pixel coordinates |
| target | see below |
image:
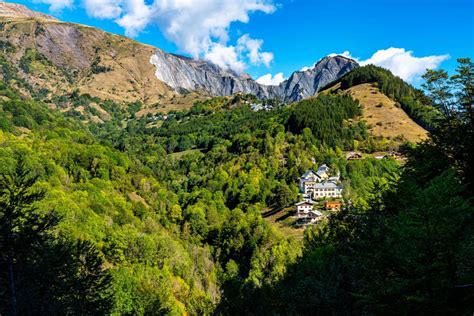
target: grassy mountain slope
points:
(44, 57)
(392, 107)
(384, 116)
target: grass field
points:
(284, 221)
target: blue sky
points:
(279, 36)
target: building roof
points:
(327, 185)
(308, 173)
(323, 168)
(314, 213)
(305, 202)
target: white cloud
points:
(138, 15)
(225, 57)
(195, 25)
(199, 28)
(346, 54)
(252, 48)
(57, 5)
(269, 80)
(103, 9)
(236, 57)
(402, 63)
(308, 67)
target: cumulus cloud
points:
(57, 5)
(199, 28)
(252, 48)
(346, 54)
(269, 80)
(137, 16)
(225, 57)
(103, 9)
(403, 64)
(235, 57)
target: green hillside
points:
(162, 214)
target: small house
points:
(333, 205)
(354, 156)
(303, 208)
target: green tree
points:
(45, 274)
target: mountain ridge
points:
(111, 66)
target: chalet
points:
(308, 180)
(333, 205)
(310, 218)
(327, 189)
(354, 156)
(323, 172)
(303, 208)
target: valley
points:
(135, 181)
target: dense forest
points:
(163, 214)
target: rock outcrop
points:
(188, 74)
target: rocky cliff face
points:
(184, 73)
(303, 84)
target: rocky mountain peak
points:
(188, 74)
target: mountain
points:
(185, 73)
(46, 57)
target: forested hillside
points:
(411, 250)
(163, 213)
(164, 231)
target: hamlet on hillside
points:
(315, 187)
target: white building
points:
(308, 180)
(323, 172)
(303, 208)
(327, 189)
(310, 218)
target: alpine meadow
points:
(137, 181)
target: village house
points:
(327, 189)
(333, 205)
(314, 185)
(308, 180)
(354, 156)
(310, 218)
(303, 208)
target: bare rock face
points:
(184, 73)
(303, 84)
(188, 74)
